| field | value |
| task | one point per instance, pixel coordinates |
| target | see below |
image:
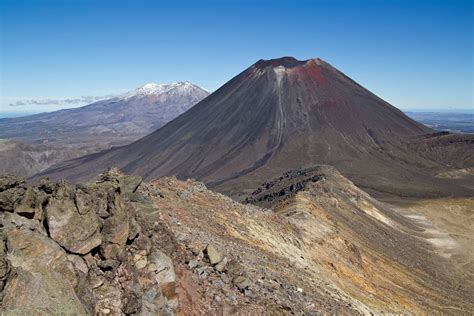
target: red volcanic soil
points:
(311, 74)
(280, 115)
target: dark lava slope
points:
(280, 115)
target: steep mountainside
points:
(280, 115)
(406, 263)
(24, 160)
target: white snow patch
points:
(157, 89)
(280, 71)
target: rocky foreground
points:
(103, 248)
(118, 245)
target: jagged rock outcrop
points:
(41, 278)
(76, 231)
(80, 249)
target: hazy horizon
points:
(14, 114)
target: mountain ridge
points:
(278, 115)
(97, 126)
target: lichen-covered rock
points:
(84, 249)
(75, 232)
(46, 293)
(115, 231)
(129, 184)
(85, 202)
(10, 198)
(31, 205)
(31, 251)
(91, 199)
(10, 181)
(134, 229)
(108, 180)
(13, 220)
(42, 279)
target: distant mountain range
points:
(283, 114)
(114, 121)
(100, 125)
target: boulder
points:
(10, 198)
(129, 184)
(108, 180)
(85, 202)
(85, 294)
(155, 303)
(31, 205)
(115, 231)
(221, 266)
(46, 293)
(161, 266)
(43, 280)
(78, 233)
(89, 199)
(13, 220)
(242, 282)
(109, 299)
(134, 229)
(10, 181)
(78, 263)
(46, 186)
(140, 259)
(213, 254)
(31, 251)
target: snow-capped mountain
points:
(176, 88)
(111, 122)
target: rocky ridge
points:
(379, 254)
(112, 247)
(118, 245)
(80, 249)
(121, 246)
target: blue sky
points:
(414, 54)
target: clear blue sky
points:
(414, 54)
